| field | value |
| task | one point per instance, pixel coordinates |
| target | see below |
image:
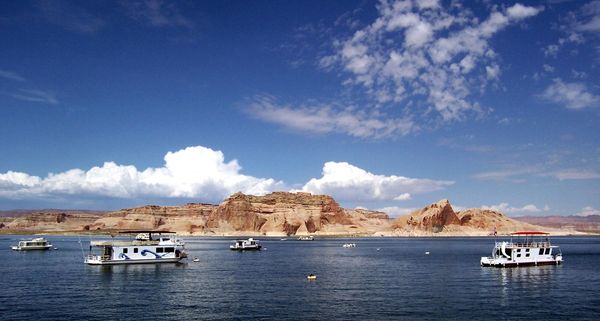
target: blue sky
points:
(383, 105)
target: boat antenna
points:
(81, 245)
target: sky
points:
(385, 105)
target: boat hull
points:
(257, 248)
(124, 262)
(501, 264)
(31, 248)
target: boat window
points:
(125, 250)
(541, 251)
(519, 255)
(169, 249)
(135, 250)
(527, 250)
(548, 251)
(518, 250)
(527, 255)
(159, 250)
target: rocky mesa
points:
(277, 214)
(440, 219)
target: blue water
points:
(396, 282)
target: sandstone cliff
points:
(440, 219)
(276, 214)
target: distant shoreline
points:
(290, 237)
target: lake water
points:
(379, 279)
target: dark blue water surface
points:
(379, 279)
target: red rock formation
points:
(432, 218)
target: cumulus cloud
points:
(193, 172)
(318, 118)
(506, 208)
(587, 211)
(420, 49)
(572, 95)
(350, 183)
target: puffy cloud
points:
(420, 49)
(194, 172)
(330, 118)
(571, 95)
(506, 208)
(587, 211)
(347, 182)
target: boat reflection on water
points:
(532, 278)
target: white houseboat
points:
(34, 244)
(531, 248)
(245, 245)
(143, 249)
(306, 238)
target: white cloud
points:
(587, 211)
(511, 174)
(571, 95)
(10, 75)
(330, 118)
(416, 50)
(344, 181)
(506, 208)
(36, 96)
(574, 174)
(194, 172)
(403, 197)
(395, 211)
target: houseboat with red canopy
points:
(529, 248)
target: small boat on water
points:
(143, 249)
(245, 245)
(349, 245)
(39, 243)
(531, 248)
(306, 238)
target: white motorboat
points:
(532, 248)
(306, 238)
(39, 243)
(349, 245)
(144, 249)
(245, 245)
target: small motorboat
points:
(306, 238)
(245, 245)
(349, 245)
(311, 277)
(196, 259)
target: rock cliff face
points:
(275, 214)
(190, 218)
(281, 214)
(51, 222)
(439, 218)
(432, 218)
